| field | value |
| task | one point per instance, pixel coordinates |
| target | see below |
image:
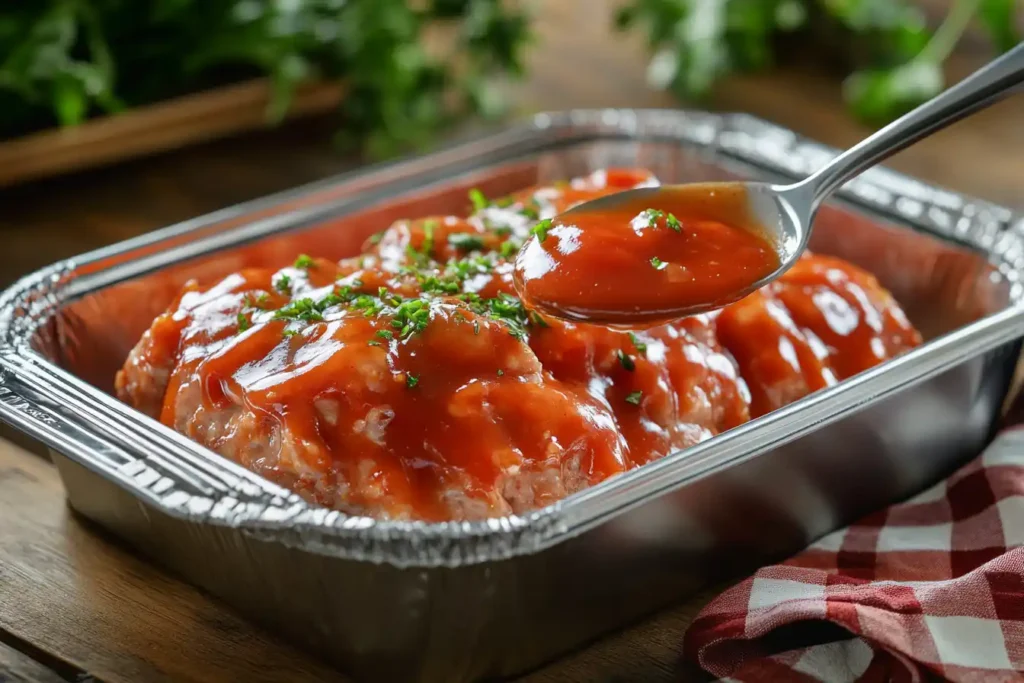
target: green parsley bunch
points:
(64, 61)
(895, 62)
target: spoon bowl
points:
(780, 215)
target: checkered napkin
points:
(927, 589)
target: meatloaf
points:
(410, 382)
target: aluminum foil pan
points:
(461, 601)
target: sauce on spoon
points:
(648, 258)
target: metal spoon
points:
(785, 212)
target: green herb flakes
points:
(530, 210)
(411, 380)
(640, 346)
(652, 216)
(304, 262)
(634, 397)
(479, 200)
(540, 231)
(387, 297)
(658, 264)
(673, 223)
(411, 317)
(509, 249)
(625, 360)
(428, 236)
(304, 309)
(466, 241)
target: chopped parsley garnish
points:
(503, 308)
(243, 322)
(386, 334)
(343, 296)
(455, 273)
(673, 223)
(652, 215)
(536, 319)
(478, 198)
(625, 360)
(465, 268)
(541, 229)
(466, 241)
(411, 380)
(305, 262)
(509, 310)
(421, 257)
(389, 298)
(640, 346)
(658, 264)
(501, 373)
(258, 302)
(289, 333)
(367, 305)
(300, 309)
(411, 317)
(530, 210)
(504, 202)
(509, 248)
(634, 397)
(438, 285)
(428, 236)
(376, 237)
(283, 284)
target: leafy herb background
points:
(893, 60)
(64, 61)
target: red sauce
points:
(822, 321)
(646, 259)
(409, 382)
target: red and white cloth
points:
(927, 589)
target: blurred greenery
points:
(63, 61)
(894, 61)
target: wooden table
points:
(75, 604)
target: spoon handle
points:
(986, 86)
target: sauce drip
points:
(655, 256)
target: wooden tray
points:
(154, 128)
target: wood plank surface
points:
(83, 599)
(17, 667)
(73, 601)
(187, 120)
